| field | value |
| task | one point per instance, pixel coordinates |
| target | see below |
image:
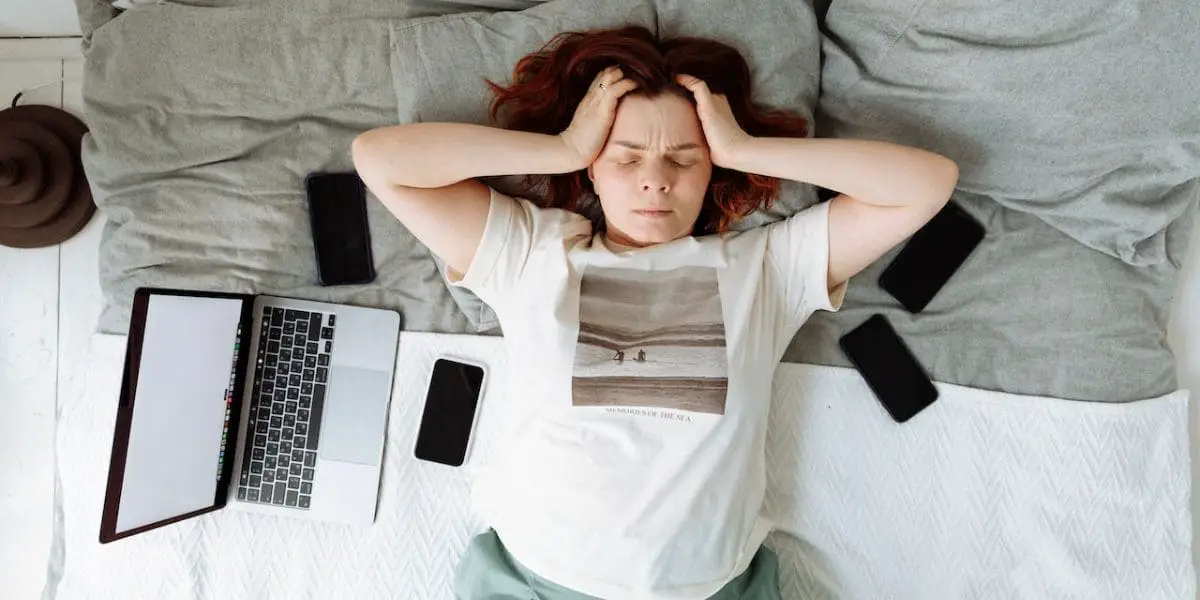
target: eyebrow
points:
(675, 148)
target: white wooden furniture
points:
(49, 302)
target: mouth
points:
(654, 213)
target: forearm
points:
(872, 172)
(434, 155)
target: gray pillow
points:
(439, 65)
(198, 156)
(93, 14)
(1082, 113)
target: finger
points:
(602, 84)
(695, 85)
(601, 79)
(612, 76)
(622, 87)
(699, 90)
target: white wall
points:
(37, 18)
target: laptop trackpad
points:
(352, 426)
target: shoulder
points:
(805, 228)
(788, 241)
(542, 223)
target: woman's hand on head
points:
(586, 135)
(721, 129)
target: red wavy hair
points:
(548, 84)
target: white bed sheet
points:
(984, 495)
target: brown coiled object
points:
(44, 194)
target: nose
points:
(656, 178)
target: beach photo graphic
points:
(652, 339)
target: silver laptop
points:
(255, 403)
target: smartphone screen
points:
(932, 255)
(890, 369)
(449, 416)
(337, 205)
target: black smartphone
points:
(933, 254)
(337, 207)
(890, 369)
(451, 405)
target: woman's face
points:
(654, 171)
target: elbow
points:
(375, 158)
(360, 149)
(945, 178)
(948, 170)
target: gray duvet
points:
(205, 120)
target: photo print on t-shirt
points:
(652, 339)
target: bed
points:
(205, 118)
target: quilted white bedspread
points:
(984, 495)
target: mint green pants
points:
(488, 572)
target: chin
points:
(660, 234)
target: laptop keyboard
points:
(291, 374)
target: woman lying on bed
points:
(642, 342)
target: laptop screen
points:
(181, 406)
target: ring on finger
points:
(603, 87)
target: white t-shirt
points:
(639, 384)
